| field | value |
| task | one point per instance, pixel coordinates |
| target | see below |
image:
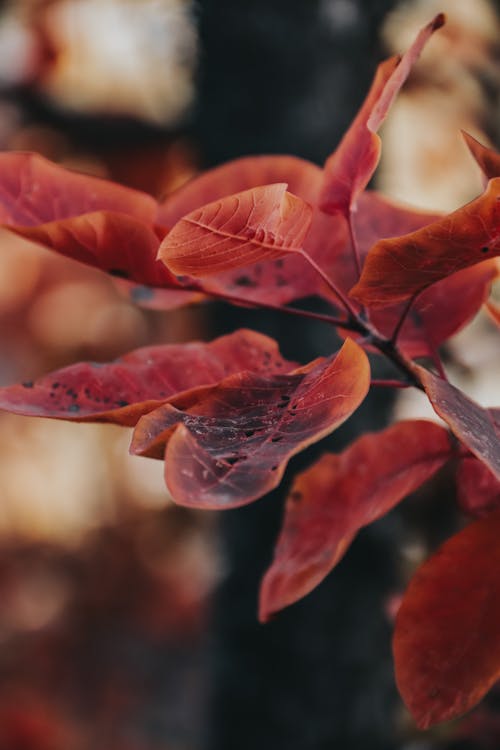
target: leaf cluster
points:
(227, 416)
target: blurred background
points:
(127, 623)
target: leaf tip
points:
(438, 21)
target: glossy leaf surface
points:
(257, 224)
(447, 635)
(351, 166)
(476, 427)
(397, 269)
(229, 445)
(123, 390)
(478, 490)
(330, 502)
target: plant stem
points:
(322, 317)
(354, 244)
(391, 383)
(331, 285)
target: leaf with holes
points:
(478, 490)
(261, 223)
(330, 502)
(476, 427)
(124, 390)
(447, 634)
(229, 444)
(352, 164)
(399, 268)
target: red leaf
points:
(230, 444)
(398, 268)
(35, 191)
(487, 158)
(113, 242)
(123, 390)
(258, 224)
(330, 502)
(478, 490)
(447, 636)
(351, 166)
(477, 428)
(439, 312)
(302, 177)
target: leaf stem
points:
(331, 285)
(402, 319)
(354, 244)
(391, 383)
(322, 317)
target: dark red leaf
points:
(229, 445)
(351, 166)
(330, 502)
(439, 312)
(487, 158)
(35, 191)
(397, 269)
(263, 223)
(478, 490)
(447, 636)
(282, 280)
(123, 390)
(477, 428)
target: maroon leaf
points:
(477, 428)
(330, 502)
(399, 268)
(351, 166)
(229, 444)
(447, 636)
(439, 312)
(123, 390)
(257, 224)
(478, 490)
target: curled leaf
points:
(447, 634)
(258, 224)
(399, 268)
(352, 164)
(122, 391)
(229, 444)
(330, 502)
(302, 177)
